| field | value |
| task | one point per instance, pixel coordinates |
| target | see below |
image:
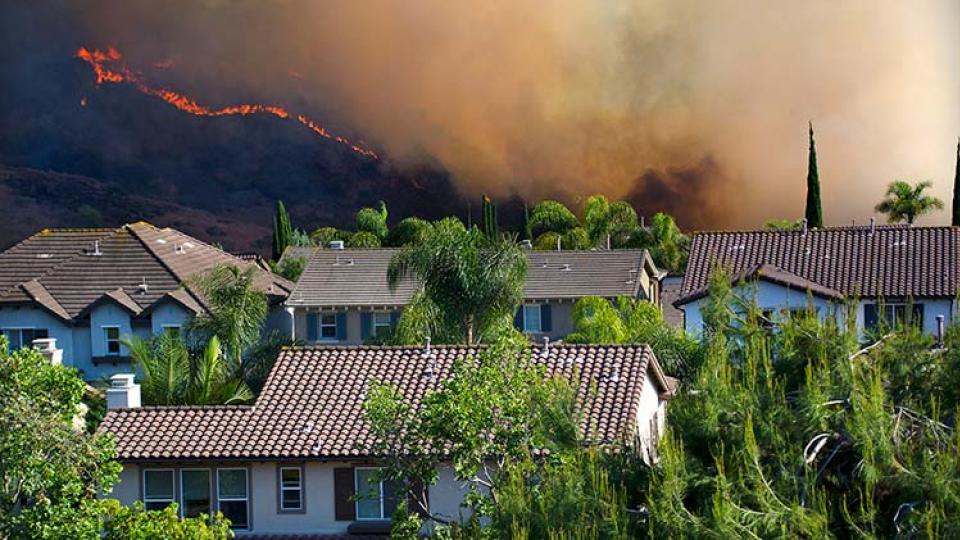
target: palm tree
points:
(170, 375)
(664, 241)
(608, 225)
(471, 284)
(236, 309)
(904, 202)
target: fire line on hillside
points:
(118, 73)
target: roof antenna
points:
(804, 227)
(546, 346)
(873, 225)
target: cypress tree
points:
(282, 232)
(489, 219)
(814, 210)
(956, 190)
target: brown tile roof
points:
(890, 261)
(60, 270)
(311, 406)
(358, 277)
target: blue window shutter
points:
(394, 318)
(313, 326)
(341, 326)
(546, 318)
(870, 316)
(518, 319)
(365, 324)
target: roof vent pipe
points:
(546, 345)
(873, 225)
(804, 221)
(96, 249)
(426, 350)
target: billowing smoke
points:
(696, 107)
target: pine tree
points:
(956, 190)
(814, 210)
(282, 231)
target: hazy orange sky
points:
(534, 98)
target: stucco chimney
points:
(123, 393)
(48, 348)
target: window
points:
(382, 324)
(291, 489)
(172, 330)
(21, 338)
(375, 499)
(194, 492)
(328, 326)
(232, 496)
(531, 318)
(157, 488)
(892, 315)
(111, 336)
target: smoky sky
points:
(700, 108)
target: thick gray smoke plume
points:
(569, 98)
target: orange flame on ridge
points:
(118, 73)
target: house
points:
(342, 297)
(293, 462)
(90, 288)
(890, 273)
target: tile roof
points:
(358, 277)
(66, 271)
(884, 261)
(297, 252)
(311, 406)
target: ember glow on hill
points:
(109, 68)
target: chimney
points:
(123, 393)
(873, 225)
(940, 330)
(335, 244)
(48, 348)
(546, 346)
(804, 226)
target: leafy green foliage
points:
(783, 225)
(489, 226)
(171, 375)
(282, 231)
(904, 202)
(129, 522)
(237, 309)
(471, 285)
(794, 432)
(373, 221)
(300, 238)
(666, 243)
(324, 235)
(551, 216)
(289, 267)
(608, 224)
(363, 239)
(408, 231)
(629, 320)
(814, 208)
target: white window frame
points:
(183, 504)
(322, 325)
(246, 499)
(358, 492)
(167, 328)
(107, 340)
(173, 488)
(298, 488)
(377, 325)
(539, 310)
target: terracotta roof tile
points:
(885, 261)
(311, 405)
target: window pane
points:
(392, 491)
(113, 333)
(158, 484)
(290, 499)
(531, 318)
(157, 505)
(196, 492)
(368, 494)
(232, 483)
(236, 512)
(290, 477)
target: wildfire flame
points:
(108, 68)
